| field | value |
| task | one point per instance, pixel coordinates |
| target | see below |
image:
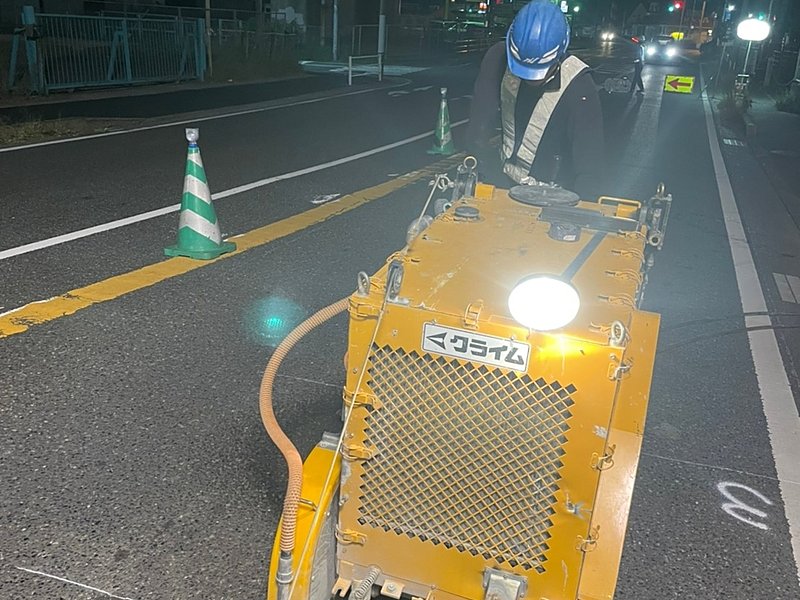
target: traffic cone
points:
(444, 139)
(198, 229)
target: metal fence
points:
(67, 52)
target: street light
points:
(752, 30)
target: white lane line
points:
(779, 405)
(82, 233)
(86, 587)
(237, 113)
(785, 288)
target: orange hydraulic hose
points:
(293, 460)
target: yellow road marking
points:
(21, 319)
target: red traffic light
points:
(678, 5)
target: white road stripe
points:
(237, 113)
(84, 586)
(82, 233)
(784, 289)
(794, 283)
(779, 405)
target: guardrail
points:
(69, 52)
(350, 59)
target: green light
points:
(671, 8)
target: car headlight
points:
(671, 52)
(543, 303)
(611, 36)
(650, 51)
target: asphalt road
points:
(133, 457)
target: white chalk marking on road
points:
(314, 381)
(424, 88)
(789, 153)
(84, 586)
(739, 509)
(323, 198)
(396, 93)
(237, 113)
(780, 409)
(733, 142)
(788, 287)
(82, 233)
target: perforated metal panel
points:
(466, 456)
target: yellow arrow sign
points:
(679, 83)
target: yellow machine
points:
(498, 373)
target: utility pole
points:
(683, 12)
(208, 39)
(382, 28)
(335, 45)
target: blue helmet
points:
(537, 40)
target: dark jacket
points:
(574, 133)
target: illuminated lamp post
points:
(752, 30)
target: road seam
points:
(160, 212)
(780, 410)
(188, 121)
(43, 311)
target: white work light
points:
(753, 30)
(543, 303)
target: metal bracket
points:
(500, 585)
(605, 462)
(361, 399)
(392, 589)
(349, 536)
(341, 587)
(620, 300)
(629, 253)
(590, 543)
(363, 310)
(626, 274)
(356, 452)
(472, 314)
(618, 372)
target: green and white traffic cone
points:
(198, 229)
(444, 139)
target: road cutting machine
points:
(497, 380)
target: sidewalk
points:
(777, 148)
(159, 101)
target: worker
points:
(638, 64)
(550, 111)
